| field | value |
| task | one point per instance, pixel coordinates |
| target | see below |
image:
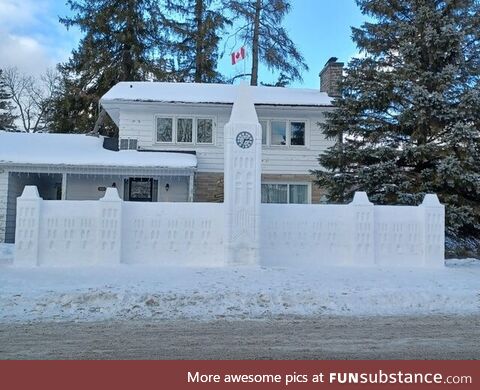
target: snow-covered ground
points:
(6, 253)
(136, 292)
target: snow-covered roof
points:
(81, 150)
(213, 93)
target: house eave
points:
(209, 103)
(97, 169)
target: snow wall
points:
(111, 231)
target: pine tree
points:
(409, 116)
(195, 27)
(7, 119)
(122, 42)
(262, 30)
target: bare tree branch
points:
(31, 96)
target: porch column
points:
(191, 184)
(64, 186)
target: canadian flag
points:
(238, 55)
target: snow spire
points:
(243, 110)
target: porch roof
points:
(78, 150)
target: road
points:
(430, 337)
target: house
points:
(170, 147)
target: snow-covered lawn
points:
(126, 292)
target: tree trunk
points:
(127, 57)
(255, 43)
(199, 52)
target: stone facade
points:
(209, 186)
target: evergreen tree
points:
(195, 26)
(7, 119)
(122, 42)
(262, 30)
(409, 116)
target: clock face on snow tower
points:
(244, 139)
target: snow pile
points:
(213, 93)
(6, 253)
(81, 150)
(133, 292)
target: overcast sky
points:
(32, 39)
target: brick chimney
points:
(330, 76)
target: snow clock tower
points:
(242, 181)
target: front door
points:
(140, 190)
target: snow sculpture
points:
(242, 183)
(434, 230)
(28, 227)
(110, 228)
(362, 250)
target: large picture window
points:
(183, 130)
(285, 193)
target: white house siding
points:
(137, 120)
(177, 189)
(85, 187)
(297, 160)
(3, 202)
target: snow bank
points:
(213, 93)
(139, 292)
(81, 150)
(7, 253)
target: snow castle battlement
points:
(241, 231)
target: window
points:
(124, 144)
(283, 132)
(185, 130)
(285, 193)
(298, 193)
(204, 131)
(264, 125)
(140, 190)
(297, 133)
(128, 143)
(164, 129)
(274, 193)
(279, 133)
